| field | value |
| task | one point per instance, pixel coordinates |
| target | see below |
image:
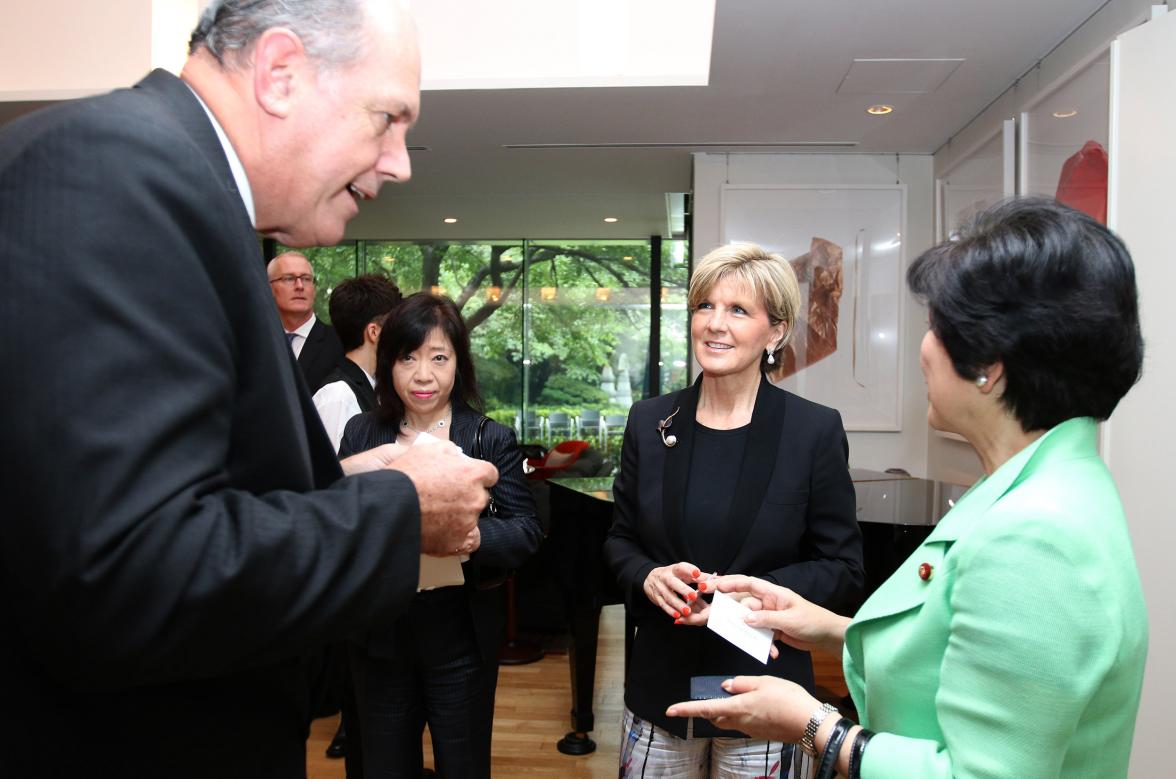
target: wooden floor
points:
(531, 713)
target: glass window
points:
(560, 331)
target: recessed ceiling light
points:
(1065, 114)
(611, 219)
(880, 110)
(450, 220)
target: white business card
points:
(726, 619)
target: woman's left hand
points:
(374, 459)
(760, 706)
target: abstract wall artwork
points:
(845, 244)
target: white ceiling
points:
(782, 72)
(776, 69)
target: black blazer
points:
(169, 548)
(507, 540)
(321, 355)
(792, 521)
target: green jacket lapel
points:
(905, 589)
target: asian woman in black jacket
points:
(438, 664)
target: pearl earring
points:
(771, 358)
(981, 381)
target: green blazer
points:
(1022, 654)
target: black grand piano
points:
(896, 512)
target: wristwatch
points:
(810, 730)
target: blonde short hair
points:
(768, 275)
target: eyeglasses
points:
(290, 278)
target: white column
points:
(1139, 442)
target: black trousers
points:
(436, 677)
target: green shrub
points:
(561, 390)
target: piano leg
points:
(582, 664)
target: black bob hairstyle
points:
(404, 331)
(1048, 292)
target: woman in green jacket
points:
(1012, 642)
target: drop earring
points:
(771, 358)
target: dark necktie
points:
(290, 339)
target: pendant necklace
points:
(440, 423)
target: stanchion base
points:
(576, 744)
(519, 652)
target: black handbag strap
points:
(487, 578)
(478, 437)
(491, 508)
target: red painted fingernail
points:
(690, 596)
(686, 610)
(677, 615)
(696, 573)
(677, 622)
(702, 586)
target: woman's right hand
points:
(795, 621)
(670, 588)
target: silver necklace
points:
(440, 423)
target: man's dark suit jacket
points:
(792, 521)
(175, 533)
(320, 355)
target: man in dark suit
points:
(177, 535)
(315, 344)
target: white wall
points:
(948, 459)
(1139, 441)
(61, 49)
(908, 447)
(1068, 58)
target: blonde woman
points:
(730, 475)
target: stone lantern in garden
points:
(607, 386)
(624, 393)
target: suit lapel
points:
(676, 469)
(312, 339)
(905, 589)
(755, 472)
(186, 109)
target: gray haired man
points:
(177, 533)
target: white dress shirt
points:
(336, 405)
(235, 165)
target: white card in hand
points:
(425, 438)
(726, 619)
(439, 572)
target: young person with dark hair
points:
(358, 307)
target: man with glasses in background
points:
(315, 343)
